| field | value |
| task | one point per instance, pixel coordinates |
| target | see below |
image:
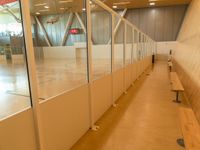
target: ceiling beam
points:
(6, 8)
(67, 27)
(118, 23)
(43, 31)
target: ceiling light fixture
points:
(66, 1)
(114, 6)
(37, 13)
(84, 9)
(40, 4)
(122, 3)
(152, 4)
(47, 7)
(42, 10)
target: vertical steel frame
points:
(32, 72)
(124, 59)
(32, 65)
(90, 64)
(112, 57)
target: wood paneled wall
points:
(160, 23)
(187, 56)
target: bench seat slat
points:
(190, 129)
(176, 83)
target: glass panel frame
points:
(60, 47)
(101, 41)
(129, 44)
(15, 88)
(119, 43)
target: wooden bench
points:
(190, 129)
(170, 65)
(176, 85)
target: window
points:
(119, 43)
(59, 37)
(14, 84)
(101, 41)
(129, 44)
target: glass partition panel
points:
(14, 86)
(59, 36)
(101, 41)
(135, 46)
(119, 43)
(129, 44)
(140, 46)
(149, 47)
(144, 47)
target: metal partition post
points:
(132, 73)
(124, 59)
(32, 72)
(132, 47)
(89, 64)
(112, 58)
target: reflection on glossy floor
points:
(145, 119)
(54, 77)
(13, 88)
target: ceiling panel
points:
(121, 4)
(55, 6)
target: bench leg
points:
(177, 101)
(180, 142)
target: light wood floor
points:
(145, 118)
(54, 76)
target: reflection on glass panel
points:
(135, 46)
(142, 46)
(139, 54)
(59, 37)
(14, 87)
(145, 46)
(129, 43)
(119, 43)
(101, 41)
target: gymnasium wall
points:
(163, 49)
(187, 56)
(101, 29)
(72, 52)
(55, 31)
(160, 23)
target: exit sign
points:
(75, 31)
(3, 2)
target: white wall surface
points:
(98, 51)
(163, 49)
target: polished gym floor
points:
(144, 119)
(55, 76)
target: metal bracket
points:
(95, 128)
(180, 142)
